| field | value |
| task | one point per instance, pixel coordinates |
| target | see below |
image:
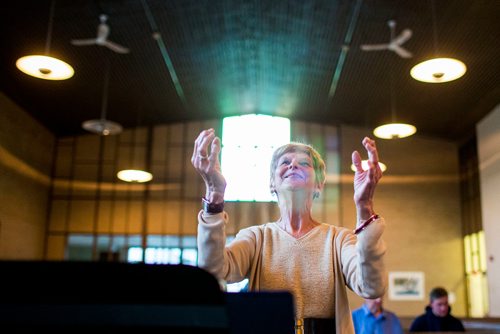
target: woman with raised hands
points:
(315, 261)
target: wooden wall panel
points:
(56, 247)
(91, 200)
(58, 216)
(81, 216)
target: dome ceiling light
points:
(134, 175)
(45, 66)
(394, 130)
(438, 69)
(103, 126)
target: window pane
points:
(165, 255)
(247, 145)
(134, 254)
(189, 256)
(80, 247)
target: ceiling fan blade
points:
(374, 47)
(116, 47)
(401, 51)
(402, 37)
(79, 42)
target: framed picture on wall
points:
(406, 285)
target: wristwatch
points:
(211, 207)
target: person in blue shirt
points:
(372, 318)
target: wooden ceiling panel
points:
(193, 59)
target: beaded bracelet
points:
(366, 223)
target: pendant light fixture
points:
(134, 175)
(44, 66)
(137, 169)
(439, 69)
(394, 129)
(103, 126)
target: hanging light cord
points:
(392, 95)
(391, 77)
(49, 29)
(105, 89)
(434, 26)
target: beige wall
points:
(26, 150)
(420, 200)
(488, 141)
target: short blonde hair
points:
(318, 162)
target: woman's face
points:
(295, 171)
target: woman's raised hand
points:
(206, 162)
(365, 182)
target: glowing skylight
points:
(248, 143)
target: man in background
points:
(437, 316)
(372, 318)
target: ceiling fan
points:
(102, 38)
(394, 43)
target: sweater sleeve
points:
(232, 262)
(363, 261)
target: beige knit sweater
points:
(315, 268)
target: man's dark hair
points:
(438, 292)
